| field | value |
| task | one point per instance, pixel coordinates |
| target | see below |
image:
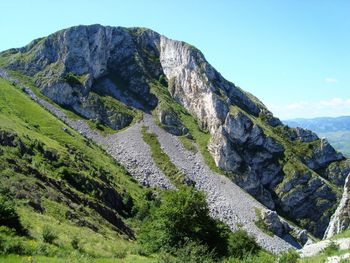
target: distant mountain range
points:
(336, 130)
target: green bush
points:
(120, 254)
(291, 256)
(11, 243)
(46, 249)
(241, 245)
(9, 216)
(72, 79)
(182, 218)
(14, 246)
(190, 252)
(331, 249)
(75, 243)
(48, 235)
(261, 257)
(139, 250)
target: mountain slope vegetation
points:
(111, 78)
(62, 198)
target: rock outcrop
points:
(109, 73)
(341, 218)
(283, 229)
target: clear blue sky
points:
(294, 55)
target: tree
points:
(182, 217)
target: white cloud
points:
(310, 109)
(331, 80)
(297, 105)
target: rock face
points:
(281, 228)
(108, 73)
(341, 218)
(171, 123)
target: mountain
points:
(158, 109)
(322, 124)
(336, 130)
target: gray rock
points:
(322, 156)
(302, 236)
(341, 218)
(246, 141)
(306, 135)
(273, 222)
(171, 122)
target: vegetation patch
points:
(291, 256)
(161, 159)
(74, 79)
(188, 144)
(180, 226)
(260, 223)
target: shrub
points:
(14, 246)
(261, 257)
(9, 216)
(163, 80)
(290, 256)
(139, 250)
(128, 205)
(75, 243)
(120, 254)
(143, 212)
(194, 252)
(331, 249)
(72, 79)
(240, 245)
(48, 235)
(10, 243)
(46, 249)
(183, 216)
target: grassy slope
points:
(43, 259)
(161, 158)
(110, 103)
(24, 117)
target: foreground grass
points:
(344, 234)
(74, 259)
(322, 257)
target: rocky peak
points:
(107, 74)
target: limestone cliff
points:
(340, 220)
(109, 73)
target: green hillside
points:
(64, 185)
(62, 199)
